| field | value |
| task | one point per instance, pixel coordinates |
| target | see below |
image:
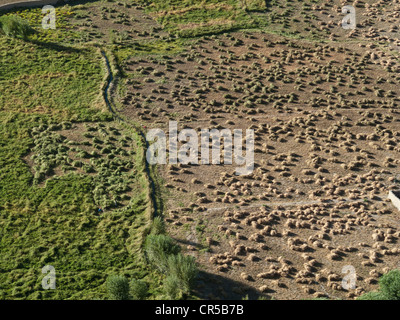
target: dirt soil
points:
(326, 137)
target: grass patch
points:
(58, 224)
(47, 85)
(38, 78)
(64, 31)
(190, 19)
(147, 48)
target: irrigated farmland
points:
(323, 102)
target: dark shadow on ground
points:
(217, 287)
(55, 46)
(267, 4)
(197, 245)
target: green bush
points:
(390, 285)
(117, 287)
(158, 226)
(158, 248)
(171, 287)
(14, 26)
(373, 295)
(138, 289)
(185, 270)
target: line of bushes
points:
(119, 288)
(163, 254)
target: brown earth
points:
(326, 129)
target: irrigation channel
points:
(110, 82)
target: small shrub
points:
(158, 248)
(139, 289)
(373, 295)
(185, 269)
(171, 287)
(157, 226)
(117, 287)
(14, 26)
(390, 285)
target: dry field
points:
(326, 128)
(112, 22)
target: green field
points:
(52, 186)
